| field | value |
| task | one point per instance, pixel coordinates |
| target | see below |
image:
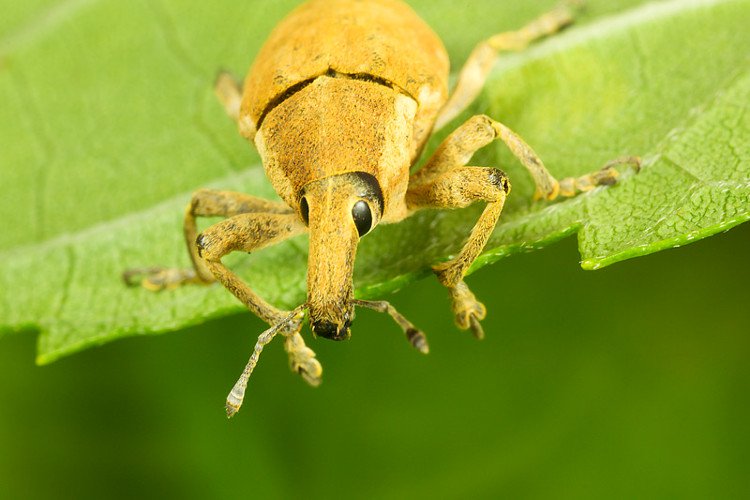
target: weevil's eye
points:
(362, 217)
(304, 210)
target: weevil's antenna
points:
(415, 336)
(237, 394)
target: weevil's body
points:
(340, 102)
(315, 110)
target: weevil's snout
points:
(331, 330)
(338, 211)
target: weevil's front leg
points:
(249, 232)
(473, 75)
(246, 233)
(457, 188)
(204, 203)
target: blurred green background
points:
(629, 382)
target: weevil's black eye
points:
(304, 210)
(362, 217)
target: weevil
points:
(339, 103)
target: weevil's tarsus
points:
(160, 278)
(476, 326)
(467, 309)
(606, 176)
(415, 336)
(302, 359)
(474, 73)
(289, 325)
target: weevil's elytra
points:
(340, 101)
(384, 39)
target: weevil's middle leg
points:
(473, 75)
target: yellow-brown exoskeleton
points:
(340, 102)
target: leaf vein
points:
(42, 26)
(176, 47)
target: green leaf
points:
(109, 122)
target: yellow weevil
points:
(340, 103)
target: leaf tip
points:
(43, 359)
(591, 264)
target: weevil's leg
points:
(415, 336)
(204, 203)
(606, 176)
(473, 75)
(246, 232)
(229, 92)
(456, 150)
(288, 325)
(547, 186)
(480, 130)
(302, 359)
(444, 183)
(457, 188)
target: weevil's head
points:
(338, 210)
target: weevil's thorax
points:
(338, 124)
(345, 85)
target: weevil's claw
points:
(156, 279)
(302, 359)
(467, 309)
(630, 161)
(311, 372)
(476, 328)
(134, 276)
(608, 175)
